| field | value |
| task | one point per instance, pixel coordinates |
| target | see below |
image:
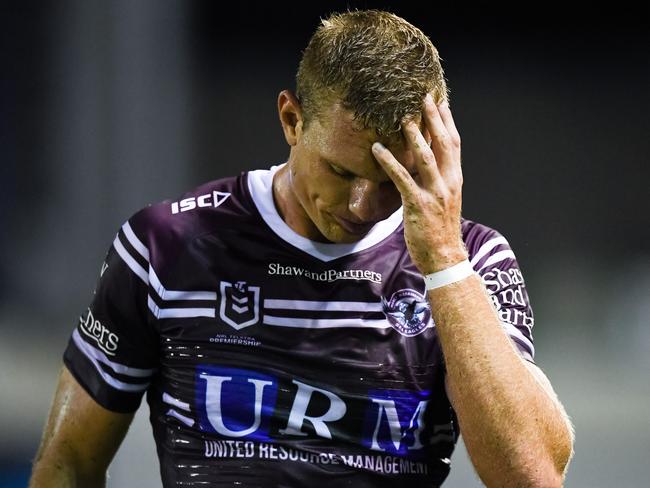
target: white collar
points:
(260, 185)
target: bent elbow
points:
(550, 476)
(553, 479)
(544, 472)
(564, 452)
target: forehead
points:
(340, 140)
(340, 126)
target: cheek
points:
(329, 192)
(316, 187)
(325, 189)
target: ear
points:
(290, 116)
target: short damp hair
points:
(375, 64)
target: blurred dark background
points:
(106, 106)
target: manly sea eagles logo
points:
(240, 304)
(407, 311)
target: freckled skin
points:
(515, 429)
(309, 192)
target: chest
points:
(239, 296)
(263, 344)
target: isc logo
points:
(213, 199)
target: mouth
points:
(354, 228)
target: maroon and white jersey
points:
(272, 360)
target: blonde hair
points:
(374, 64)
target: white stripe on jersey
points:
(487, 247)
(323, 306)
(168, 313)
(95, 356)
(513, 331)
(325, 323)
(151, 277)
(497, 258)
(118, 368)
(186, 420)
(167, 398)
(134, 241)
(130, 262)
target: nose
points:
(364, 201)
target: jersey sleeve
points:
(497, 265)
(112, 352)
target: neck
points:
(289, 207)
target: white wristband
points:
(448, 276)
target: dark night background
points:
(106, 106)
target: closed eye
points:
(340, 171)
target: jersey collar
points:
(260, 185)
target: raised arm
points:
(515, 429)
(79, 439)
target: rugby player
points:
(329, 321)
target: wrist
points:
(447, 276)
(443, 259)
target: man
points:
(331, 321)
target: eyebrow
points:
(352, 173)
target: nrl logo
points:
(240, 304)
(407, 311)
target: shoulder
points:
(167, 227)
(475, 234)
(485, 244)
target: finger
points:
(441, 140)
(395, 171)
(424, 157)
(427, 136)
(448, 120)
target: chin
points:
(336, 235)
